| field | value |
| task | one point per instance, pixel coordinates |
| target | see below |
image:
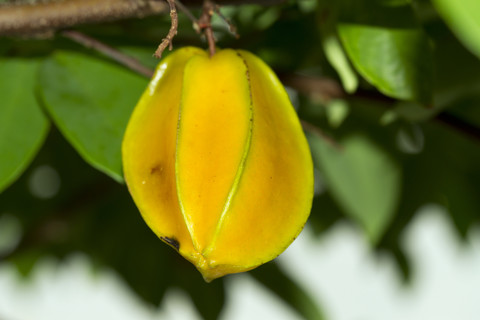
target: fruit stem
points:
(205, 23)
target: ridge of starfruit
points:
(216, 161)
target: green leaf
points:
(208, 298)
(337, 111)
(362, 178)
(23, 126)
(398, 61)
(388, 47)
(463, 17)
(90, 100)
(337, 58)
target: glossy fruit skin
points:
(216, 160)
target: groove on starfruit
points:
(216, 160)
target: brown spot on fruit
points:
(157, 169)
(172, 242)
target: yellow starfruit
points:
(216, 161)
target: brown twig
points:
(167, 41)
(205, 24)
(123, 59)
(231, 26)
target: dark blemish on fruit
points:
(156, 169)
(172, 241)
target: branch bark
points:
(50, 16)
(45, 18)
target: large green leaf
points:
(90, 100)
(23, 126)
(362, 178)
(388, 47)
(397, 61)
(464, 19)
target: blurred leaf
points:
(257, 16)
(410, 139)
(307, 6)
(25, 262)
(337, 110)
(208, 298)
(464, 19)
(90, 100)
(362, 178)
(445, 172)
(337, 58)
(325, 213)
(10, 233)
(467, 107)
(457, 70)
(114, 235)
(396, 61)
(327, 19)
(91, 214)
(272, 277)
(23, 126)
(450, 165)
(411, 112)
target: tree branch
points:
(205, 24)
(47, 17)
(50, 16)
(459, 124)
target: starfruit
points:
(216, 161)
